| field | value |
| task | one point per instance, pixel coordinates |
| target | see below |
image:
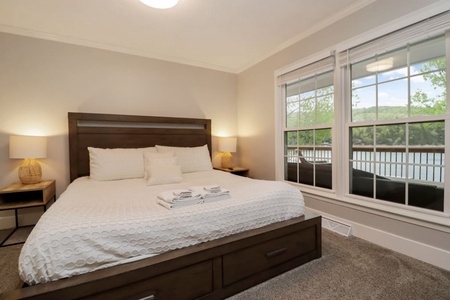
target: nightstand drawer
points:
(254, 259)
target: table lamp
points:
(227, 145)
(28, 148)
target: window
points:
(400, 96)
(309, 115)
(386, 107)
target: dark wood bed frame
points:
(211, 270)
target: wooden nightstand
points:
(17, 196)
(236, 170)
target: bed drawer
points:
(246, 262)
(186, 283)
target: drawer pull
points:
(276, 252)
(151, 297)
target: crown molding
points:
(108, 47)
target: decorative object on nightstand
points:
(227, 145)
(28, 148)
(17, 196)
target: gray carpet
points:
(350, 268)
(353, 269)
(9, 277)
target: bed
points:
(196, 268)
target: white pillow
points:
(162, 162)
(117, 163)
(191, 159)
(150, 155)
(161, 174)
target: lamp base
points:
(227, 160)
(30, 171)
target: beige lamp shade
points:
(227, 145)
(28, 148)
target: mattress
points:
(98, 224)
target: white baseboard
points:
(429, 254)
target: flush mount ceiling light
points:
(381, 65)
(161, 4)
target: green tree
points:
(421, 104)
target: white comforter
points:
(97, 224)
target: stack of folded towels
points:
(211, 192)
(178, 198)
(193, 195)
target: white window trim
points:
(339, 155)
(280, 119)
(447, 122)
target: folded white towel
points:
(216, 194)
(170, 197)
(206, 194)
(179, 204)
(182, 193)
(194, 195)
(212, 188)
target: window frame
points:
(340, 154)
(377, 122)
(314, 127)
(281, 127)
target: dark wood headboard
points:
(126, 131)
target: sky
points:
(393, 88)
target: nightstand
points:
(236, 170)
(17, 196)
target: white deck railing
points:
(425, 163)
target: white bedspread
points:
(97, 224)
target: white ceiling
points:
(226, 35)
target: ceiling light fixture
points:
(161, 4)
(381, 65)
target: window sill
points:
(426, 218)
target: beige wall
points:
(41, 81)
(256, 116)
